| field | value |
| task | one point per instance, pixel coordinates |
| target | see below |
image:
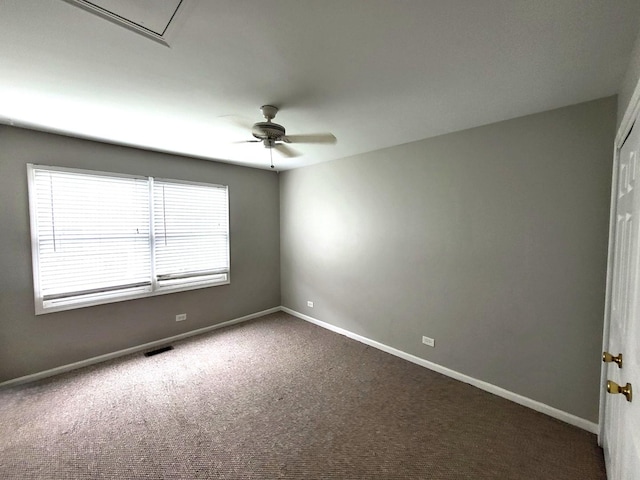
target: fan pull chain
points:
(271, 155)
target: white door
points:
(621, 432)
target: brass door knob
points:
(613, 387)
(607, 357)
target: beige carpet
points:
(278, 398)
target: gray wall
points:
(491, 240)
(629, 81)
(30, 343)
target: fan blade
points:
(321, 138)
(237, 121)
(247, 141)
(285, 150)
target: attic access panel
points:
(147, 17)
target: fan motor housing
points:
(268, 131)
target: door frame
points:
(630, 114)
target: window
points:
(102, 237)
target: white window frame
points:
(43, 306)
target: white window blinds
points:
(96, 240)
(191, 227)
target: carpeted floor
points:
(278, 398)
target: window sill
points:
(60, 305)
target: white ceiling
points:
(375, 73)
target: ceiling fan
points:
(273, 135)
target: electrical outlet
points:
(310, 304)
(429, 341)
(180, 317)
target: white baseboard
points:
(488, 387)
(138, 348)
